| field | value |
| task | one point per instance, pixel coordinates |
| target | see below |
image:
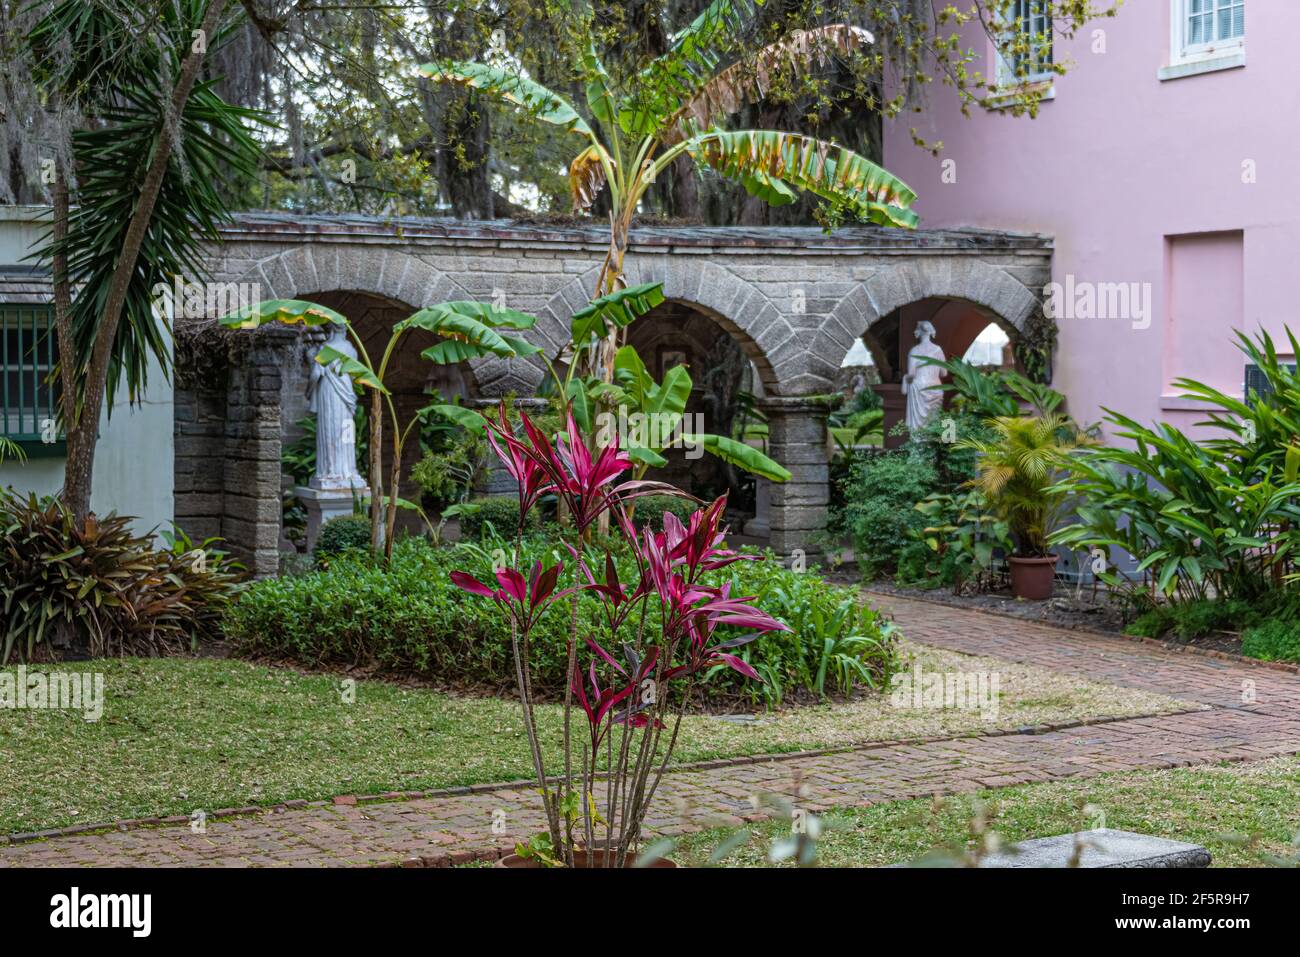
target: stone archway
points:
(959, 297)
(738, 307)
(302, 271)
(796, 299)
(721, 368)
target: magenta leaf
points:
(739, 665)
(471, 584)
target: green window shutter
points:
(28, 355)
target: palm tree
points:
(137, 189)
(669, 109)
(1018, 467)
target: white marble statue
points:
(331, 395)
(920, 385)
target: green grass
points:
(184, 734)
(1241, 812)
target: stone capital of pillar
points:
(799, 404)
(530, 404)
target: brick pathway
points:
(1255, 714)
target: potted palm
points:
(1018, 469)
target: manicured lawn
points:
(179, 734)
(1220, 808)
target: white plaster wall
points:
(134, 458)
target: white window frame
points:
(1181, 52)
(1006, 71)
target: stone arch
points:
(736, 306)
(315, 268)
(336, 267)
(992, 289)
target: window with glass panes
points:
(27, 357)
(1032, 21)
(1207, 23)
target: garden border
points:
(132, 824)
(1287, 666)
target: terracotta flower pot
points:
(1032, 578)
(581, 859)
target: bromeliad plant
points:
(663, 632)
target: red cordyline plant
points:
(667, 618)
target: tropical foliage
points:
(666, 111)
(1018, 470)
(1212, 518)
(138, 188)
(98, 585)
(633, 697)
(466, 330)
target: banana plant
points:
(633, 391)
(669, 109)
(467, 330)
(664, 404)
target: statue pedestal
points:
(895, 409)
(760, 525)
(322, 504)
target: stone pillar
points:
(251, 509)
(199, 470)
(797, 440)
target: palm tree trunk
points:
(82, 431)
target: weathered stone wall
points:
(228, 441)
(795, 300)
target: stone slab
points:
(1102, 848)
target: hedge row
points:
(410, 618)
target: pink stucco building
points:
(1166, 165)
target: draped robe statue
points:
(920, 385)
(331, 395)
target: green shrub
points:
(342, 534)
(1277, 639)
(501, 512)
(650, 510)
(880, 513)
(1194, 619)
(836, 643)
(411, 618)
(940, 443)
(98, 587)
(448, 470)
(1206, 516)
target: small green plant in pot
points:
(1018, 470)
